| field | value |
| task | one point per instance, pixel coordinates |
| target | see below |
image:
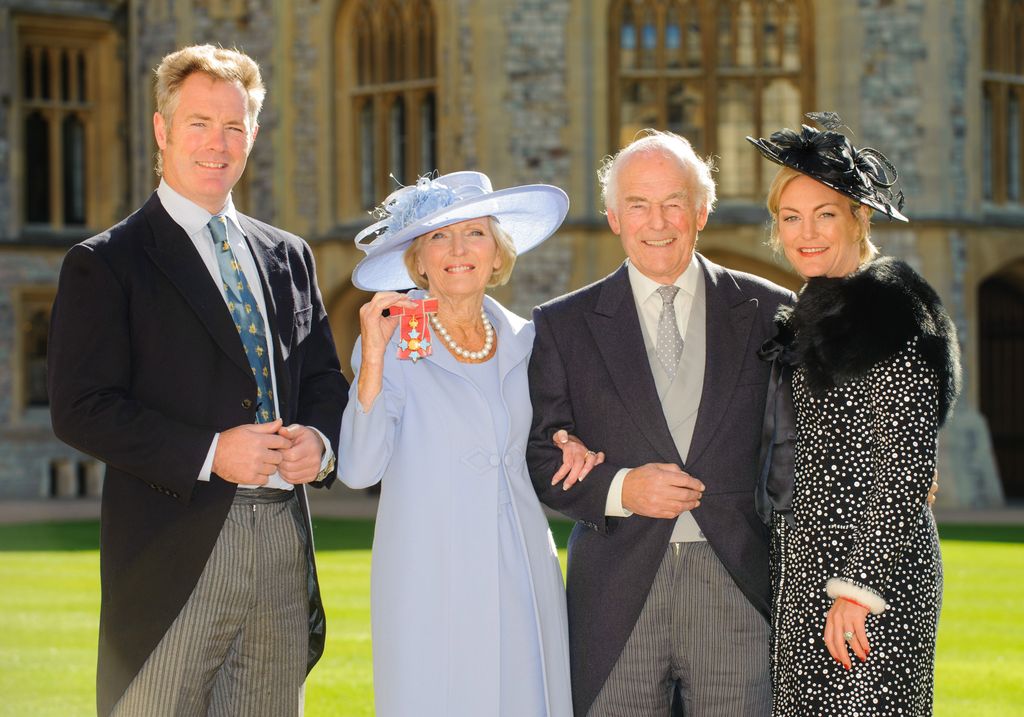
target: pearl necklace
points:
(458, 350)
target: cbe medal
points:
(414, 336)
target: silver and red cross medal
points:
(414, 331)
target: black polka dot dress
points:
(863, 463)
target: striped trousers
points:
(238, 646)
(697, 634)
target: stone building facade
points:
(527, 91)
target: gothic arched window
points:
(67, 128)
(1003, 94)
(388, 113)
(713, 71)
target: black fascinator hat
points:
(864, 175)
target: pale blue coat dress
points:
(467, 599)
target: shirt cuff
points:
(207, 469)
(613, 503)
(328, 458)
(327, 461)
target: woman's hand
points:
(846, 617)
(375, 327)
(376, 330)
(577, 459)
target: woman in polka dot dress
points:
(865, 370)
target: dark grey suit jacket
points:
(589, 373)
(145, 366)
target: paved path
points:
(338, 502)
(342, 502)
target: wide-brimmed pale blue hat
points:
(529, 214)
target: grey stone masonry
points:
(307, 147)
(537, 104)
(891, 98)
(958, 156)
(464, 141)
(28, 447)
(254, 32)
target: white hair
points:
(666, 144)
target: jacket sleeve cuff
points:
(841, 588)
(613, 503)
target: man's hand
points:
(300, 463)
(250, 453)
(660, 490)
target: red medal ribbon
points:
(414, 338)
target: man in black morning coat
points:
(210, 601)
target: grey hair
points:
(668, 144)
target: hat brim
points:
(771, 152)
(529, 214)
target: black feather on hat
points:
(864, 175)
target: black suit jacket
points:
(589, 373)
(145, 366)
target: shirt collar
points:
(644, 287)
(190, 216)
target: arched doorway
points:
(1001, 369)
(753, 265)
(343, 313)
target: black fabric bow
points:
(864, 175)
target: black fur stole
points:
(840, 328)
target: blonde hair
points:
(499, 277)
(219, 64)
(867, 248)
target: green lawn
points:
(49, 603)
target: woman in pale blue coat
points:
(468, 605)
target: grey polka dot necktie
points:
(669, 346)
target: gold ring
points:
(589, 453)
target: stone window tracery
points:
(712, 71)
(388, 79)
(1002, 95)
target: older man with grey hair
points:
(656, 365)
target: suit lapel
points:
(730, 315)
(615, 326)
(175, 255)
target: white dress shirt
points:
(648, 306)
(194, 220)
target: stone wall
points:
(7, 40)
(27, 444)
(890, 97)
(538, 107)
(254, 32)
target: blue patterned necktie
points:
(247, 317)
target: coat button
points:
(246, 403)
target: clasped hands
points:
(251, 453)
(656, 490)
